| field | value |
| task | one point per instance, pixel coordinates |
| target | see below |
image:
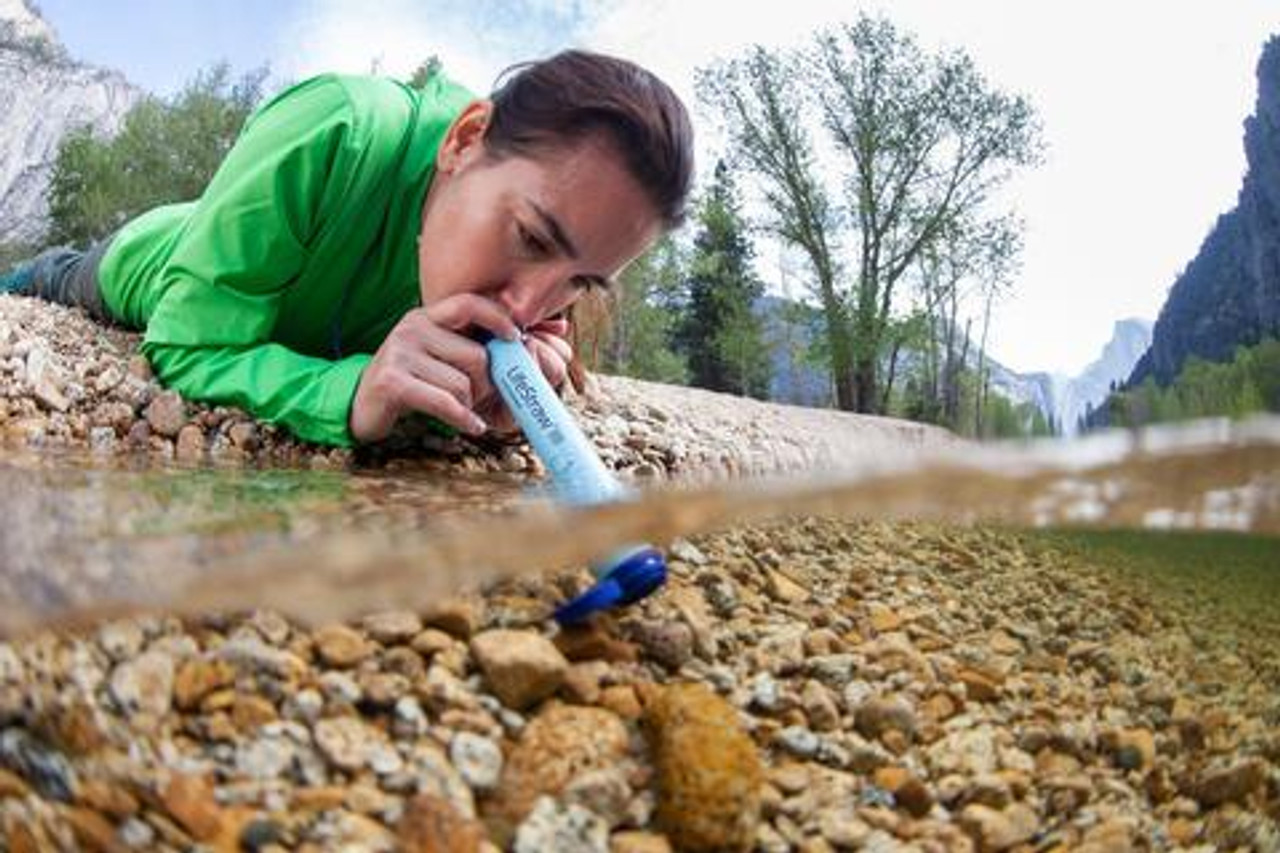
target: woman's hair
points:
(576, 94)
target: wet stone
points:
(876, 716)
(709, 775)
(669, 643)
(392, 627)
(190, 443)
(340, 646)
(189, 800)
(520, 666)
(45, 769)
(998, 830)
(1230, 784)
(431, 825)
(555, 747)
(196, 679)
(478, 759)
(144, 683)
(259, 836)
(566, 828)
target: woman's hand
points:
(427, 365)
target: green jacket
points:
(272, 290)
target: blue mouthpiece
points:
(577, 474)
(630, 577)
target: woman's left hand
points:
(547, 343)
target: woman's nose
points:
(527, 298)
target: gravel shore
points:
(815, 685)
(67, 382)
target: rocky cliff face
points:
(45, 94)
(1229, 294)
(1073, 398)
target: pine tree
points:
(720, 334)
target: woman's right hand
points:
(427, 365)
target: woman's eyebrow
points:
(553, 226)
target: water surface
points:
(82, 536)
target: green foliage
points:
(166, 152)
(1001, 418)
(1247, 384)
(637, 338)
(718, 332)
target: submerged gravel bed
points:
(816, 685)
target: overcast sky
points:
(1142, 104)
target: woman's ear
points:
(464, 140)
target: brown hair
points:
(575, 94)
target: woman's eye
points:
(532, 242)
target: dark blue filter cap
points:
(637, 575)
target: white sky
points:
(1142, 104)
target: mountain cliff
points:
(1073, 398)
(46, 94)
(1229, 294)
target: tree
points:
(719, 333)
(759, 95)
(631, 334)
(918, 145)
(166, 152)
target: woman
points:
(358, 232)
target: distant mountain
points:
(1064, 399)
(1229, 294)
(45, 94)
(1073, 397)
(789, 328)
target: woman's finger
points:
(438, 402)
(553, 366)
(463, 311)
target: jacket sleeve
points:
(243, 246)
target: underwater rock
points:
(522, 667)
(709, 775)
(431, 825)
(47, 770)
(564, 828)
(558, 745)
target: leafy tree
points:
(718, 331)
(919, 145)
(166, 152)
(759, 96)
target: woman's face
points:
(532, 233)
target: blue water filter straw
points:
(578, 477)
